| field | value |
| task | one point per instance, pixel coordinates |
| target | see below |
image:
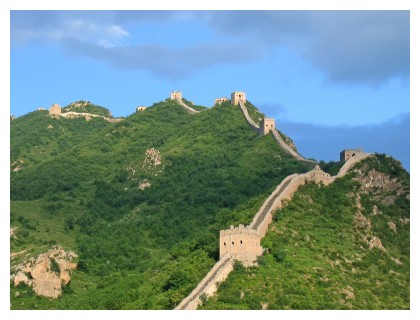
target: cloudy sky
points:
(331, 79)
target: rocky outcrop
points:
(47, 273)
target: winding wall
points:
(260, 223)
(208, 285)
(248, 118)
(182, 104)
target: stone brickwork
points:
(266, 125)
(241, 242)
(346, 154)
(55, 109)
(237, 96)
(220, 100)
(176, 95)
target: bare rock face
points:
(144, 184)
(47, 273)
(379, 183)
(153, 159)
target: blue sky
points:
(331, 79)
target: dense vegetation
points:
(78, 186)
(318, 249)
(87, 107)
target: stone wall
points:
(208, 285)
(285, 146)
(248, 119)
(231, 247)
(140, 108)
(182, 104)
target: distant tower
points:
(266, 124)
(141, 108)
(55, 109)
(346, 154)
(220, 100)
(176, 95)
(237, 96)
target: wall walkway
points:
(248, 118)
(208, 285)
(189, 109)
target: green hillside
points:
(342, 246)
(140, 201)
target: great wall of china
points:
(242, 243)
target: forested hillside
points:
(140, 202)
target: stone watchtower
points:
(266, 124)
(242, 243)
(140, 108)
(237, 96)
(220, 100)
(346, 154)
(176, 95)
(55, 109)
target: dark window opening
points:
(233, 242)
(224, 243)
(241, 241)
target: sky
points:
(331, 79)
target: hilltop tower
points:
(176, 95)
(266, 124)
(237, 96)
(140, 108)
(346, 154)
(220, 100)
(55, 109)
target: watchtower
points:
(176, 95)
(237, 96)
(141, 108)
(220, 100)
(346, 154)
(242, 243)
(55, 109)
(266, 124)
